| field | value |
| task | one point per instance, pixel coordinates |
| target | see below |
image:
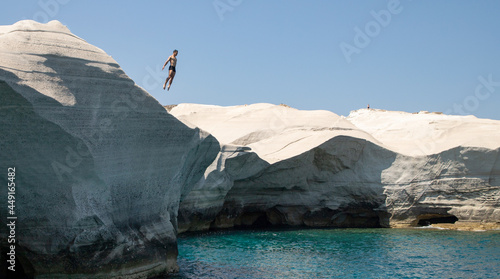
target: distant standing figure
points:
(368, 106)
(171, 70)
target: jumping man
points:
(171, 70)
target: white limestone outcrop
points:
(106, 177)
(315, 168)
(259, 141)
(448, 165)
(100, 165)
(426, 133)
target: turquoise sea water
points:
(340, 253)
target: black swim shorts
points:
(171, 68)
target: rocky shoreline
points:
(110, 177)
(281, 166)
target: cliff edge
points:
(374, 168)
(99, 164)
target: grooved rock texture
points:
(282, 166)
(447, 166)
(106, 177)
(100, 165)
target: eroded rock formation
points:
(100, 165)
(106, 177)
(314, 168)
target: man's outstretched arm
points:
(166, 62)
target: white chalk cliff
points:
(106, 177)
(282, 166)
(100, 165)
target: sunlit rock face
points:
(282, 166)
(100, 165)
(447, 168)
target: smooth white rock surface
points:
(426, 133)
(100, 164)
(316, 168)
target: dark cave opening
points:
(253, 220)
(261, 222)
(430, 219)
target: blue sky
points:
(333, 55)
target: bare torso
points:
(173, 61)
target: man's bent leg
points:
(171, 77)
(166, 81)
